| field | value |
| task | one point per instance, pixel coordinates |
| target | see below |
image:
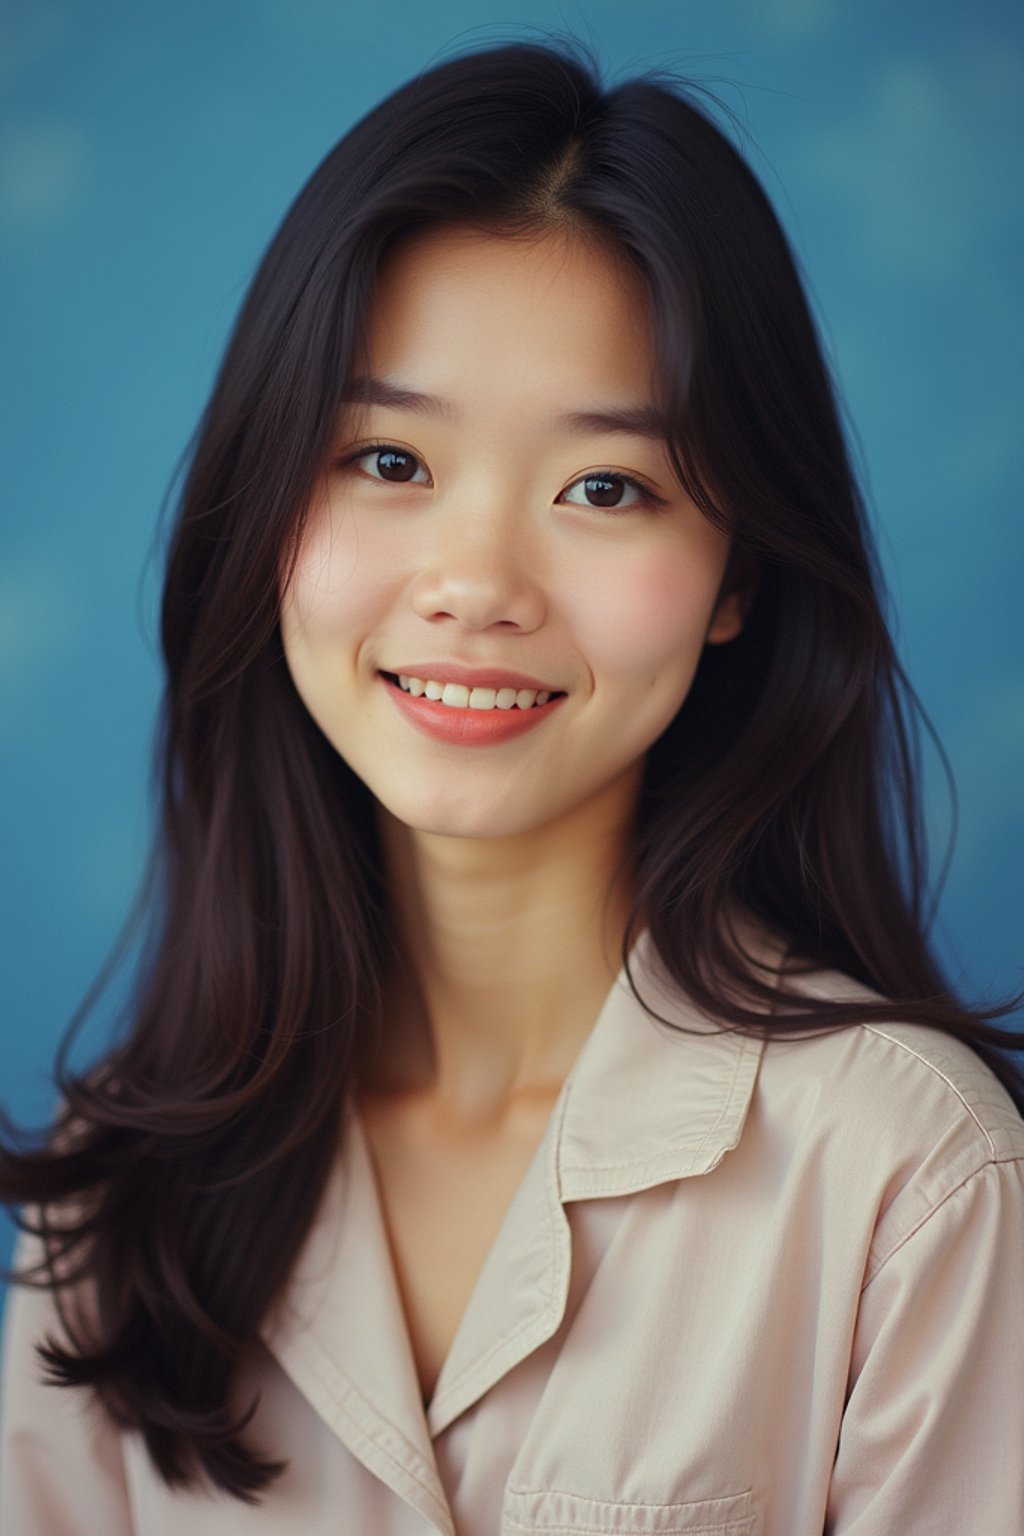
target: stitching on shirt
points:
(692, 1149)
(722, 1498)
(692, 1152)
(875, 1030)
(362, 1435)
(741, 1525)
(726, 1105)
(974, 1174)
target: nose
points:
(479, 570)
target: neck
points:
(510, 948)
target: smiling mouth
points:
(458, 696)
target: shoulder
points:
(910, 1075)
(899, 1115)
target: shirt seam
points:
(893, 1040)
(990, 1162)
(738, 1527)
(721, 1498)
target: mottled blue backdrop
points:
(147, 152)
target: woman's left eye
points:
(611, 492)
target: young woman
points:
(540, 1110)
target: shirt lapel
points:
(644, 1103)
(341, 1337)
(519, 1296)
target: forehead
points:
(477, 315)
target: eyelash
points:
(648, 499)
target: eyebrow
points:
(637, 420)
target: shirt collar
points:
(645, 1102)
(648, 1101)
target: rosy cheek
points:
(344, 571)
(639, 616)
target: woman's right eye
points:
(388, 462)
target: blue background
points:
(147, 151)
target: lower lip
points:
(469, 727)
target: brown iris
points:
(603, 490)
(393, 464)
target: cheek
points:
(644, 618)
(340, 581)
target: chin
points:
(449, 815)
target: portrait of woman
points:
(542, 1110)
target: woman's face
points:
(498, 516)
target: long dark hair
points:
(185, 1168)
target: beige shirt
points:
(742, 1288)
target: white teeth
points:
(458, 696)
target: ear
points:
(736, 598)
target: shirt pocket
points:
(553, 1512)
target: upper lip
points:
(472, 677)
